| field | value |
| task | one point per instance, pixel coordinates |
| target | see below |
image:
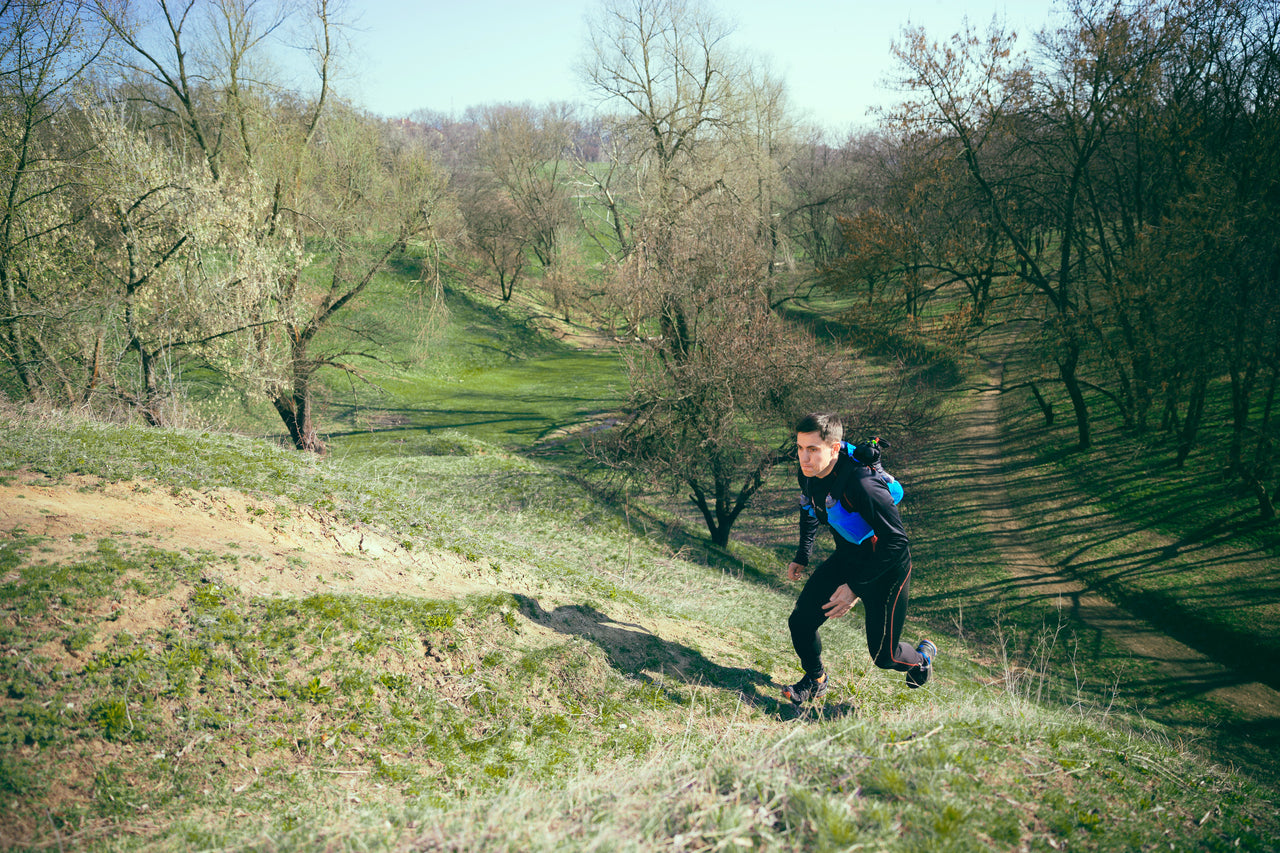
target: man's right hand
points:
(795, 571)
(842, 601)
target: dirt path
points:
(1242, 717)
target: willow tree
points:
(45, 48)
(175, 260)
(320, 175)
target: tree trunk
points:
(151, 397)
(1046, 408)
(296, 411)
(1067, 370)
(724, 515)
(14, 342)
(1191, 425)
(1241, 394)
(718, 521)
(1266, 503)
(720, 536)
(1263, 465)
(95, 369)
(294, 404)
(728, 507)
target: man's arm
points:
(808, 535)
(809, 525)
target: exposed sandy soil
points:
(261, 547)
(282, 548)
(270, 548)
(1163, 666)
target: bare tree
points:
(665, 66)
(922, 230)
(367, 197)
(1226, 69)
(1130, 173)
(497, 230)
(689, 194)
(712, 399)
(525, 150)
(824, 182)
(1028, 141)
(764, 133)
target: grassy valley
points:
(434, 639)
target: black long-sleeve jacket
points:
(860, 490)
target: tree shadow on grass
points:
(820, 712)
(635, 652)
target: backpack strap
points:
(848, 523)
(869, 456)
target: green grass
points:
(536, 720)
(471, 364)
(616, 687)
(1177, 546)
(488, 373)
(517, 404)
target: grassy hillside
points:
(214, 643)
(470, 363)
(488, 371)
(1183, 547)
(430, 640)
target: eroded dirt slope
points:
(280, 548)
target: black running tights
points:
(884, 601)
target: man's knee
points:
(795, 621)
(801, 622)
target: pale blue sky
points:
(447, 55)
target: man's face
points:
(817, 457)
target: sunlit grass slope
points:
(488, 371)
(416, 366)
(583, 687)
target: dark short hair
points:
(826, 424)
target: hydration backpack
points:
(849, 524)
(869, 455)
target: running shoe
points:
(918, 675)
(806, 688)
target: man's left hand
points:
(842, 601)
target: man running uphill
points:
(871, 559)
